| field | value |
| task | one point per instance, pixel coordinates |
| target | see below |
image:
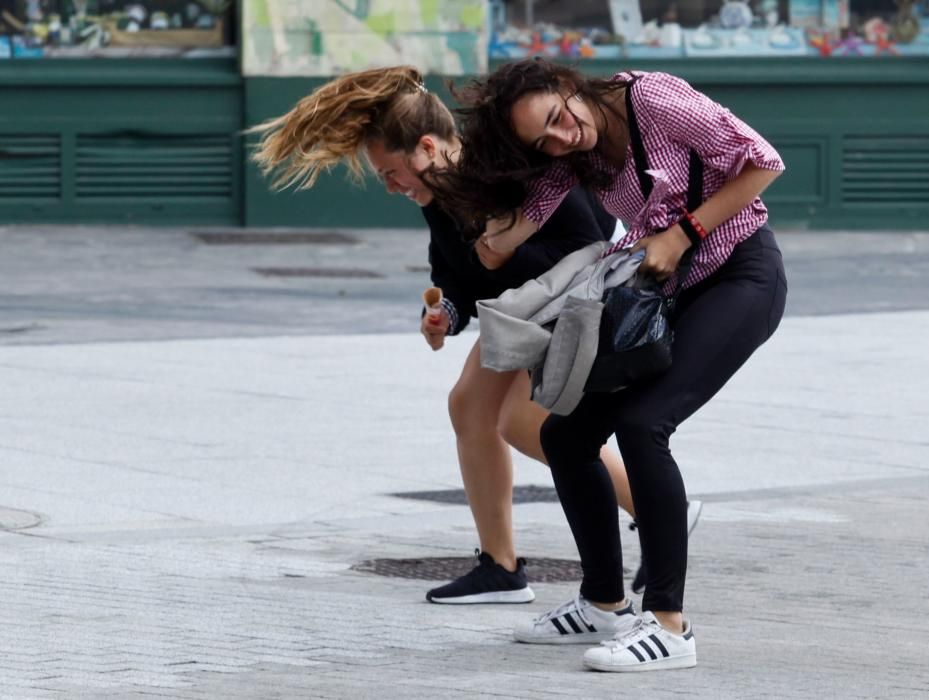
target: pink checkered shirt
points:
(673, 117)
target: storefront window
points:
(620, 29)
(116, 28)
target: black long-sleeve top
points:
(578, 221)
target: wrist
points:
(452, 314)
(503, 258)
(680, 236)
(692, 228)
(502, 243)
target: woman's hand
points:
(490, 258)
(435, 328)
(663, 252)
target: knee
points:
(558, 439)
(467, 410)
(566, 445)
(634, 433)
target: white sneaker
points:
(647, 647)
(576, 622)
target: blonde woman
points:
(387, 118)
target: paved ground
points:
(194, 456)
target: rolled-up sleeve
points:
(722, 140)
(548, 192)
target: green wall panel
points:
(159, 142)
(154, 142)
(808, 108)
(807, 182)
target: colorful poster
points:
(330, 37)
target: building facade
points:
(122, 111)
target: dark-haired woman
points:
(387, 117)
(532, 130)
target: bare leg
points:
(486, 467)
(521, 421)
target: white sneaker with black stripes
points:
(646, 647)
(576, 622)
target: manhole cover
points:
(521, 494)
(316, 272)
(540, 570)
(15, 519)
(273, 237)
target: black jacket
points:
(578, 221)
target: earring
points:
(578, 97)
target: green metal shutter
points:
(891, 171)
(137, 164)
(30, 167)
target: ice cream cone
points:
(432, 298)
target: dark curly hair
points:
(492, 176)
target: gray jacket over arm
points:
(551, 325)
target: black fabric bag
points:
(635, 339)
(635, 329)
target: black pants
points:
(718, 324)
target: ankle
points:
(671, 621)
(610, 607)
(507, 562)
(509, 565)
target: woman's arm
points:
(663, 251)
(503, 238)
(573, 225)
(544, 196)
(735, 195)
(724, 143)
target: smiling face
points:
(397, 170)
(554, 123)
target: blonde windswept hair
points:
(334, 123)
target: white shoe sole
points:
(686, 661)
(694, 508)
(523, 595)
(588, 638)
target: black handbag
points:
(636, 335)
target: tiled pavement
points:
(180, 516)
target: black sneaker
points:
(488, 582)
(693, 515)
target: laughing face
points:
(398, 170)
(554, 123)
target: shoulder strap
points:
(694, 176)
(694, 181)
(638, 146)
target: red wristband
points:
(698, 227)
